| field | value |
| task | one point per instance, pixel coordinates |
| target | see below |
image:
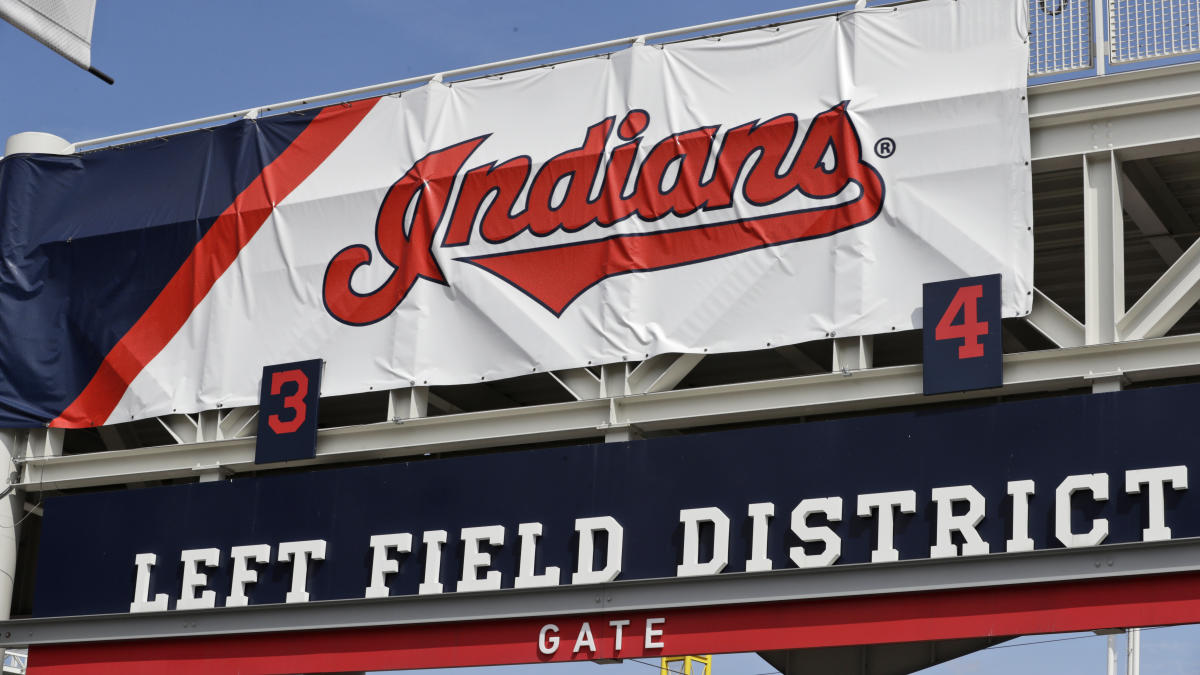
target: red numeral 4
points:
(971, 328)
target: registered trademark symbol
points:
(885, 147)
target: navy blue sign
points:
(1021, 475)
(961, 320)
(287, 412)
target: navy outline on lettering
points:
(471, 260)
(751, 159)
(407, 237)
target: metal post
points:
(11, 510)
(1100, 31)
(1133, 640)
(853, 353)
(1103, 247)
(1112, 655)
(409, 403)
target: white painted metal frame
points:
(593, 419)
(1107, 126)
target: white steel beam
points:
(1166, 206)
(1166, 301)
(579, 382)
(1157, 234)
(1125, 93)
(1103, 247)
(239, 422)
(614, 380)
(1166, 131)
(878, 388)
(853, 353)
(802, 361)
(208, 425)
(181, 427)
(409, 403)
(12, 503)
(1054, 322)
(40, 442)
(1147, 112)
(662, 373)
(442, 404)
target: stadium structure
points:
(1054, 499)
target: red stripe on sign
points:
(214, 253)
(911, 617)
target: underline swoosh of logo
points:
(555, 276)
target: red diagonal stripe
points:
(214, 253)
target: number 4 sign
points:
(287, 412)
(961, 321)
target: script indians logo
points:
(684, 173)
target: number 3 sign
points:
(961, 321)
(287, 412)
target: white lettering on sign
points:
(884, 505)
(964, 524)
(585, 572)
(1097, 484)
(958, 512)
(434, 541)
(760, 516)
(242, 574)
(691, 519)
(653, 635)
(831, 508)
(585, 639)
(619, 626)
(526, 577)
(1020, 491)
(143, 562)
(299, 553)
(194, 579)
(1155, 480)
(547, 643)
(381, 564)
(476, 559)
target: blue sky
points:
(174, 61)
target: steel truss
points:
(1116, 333)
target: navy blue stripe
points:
(88, 241)
(89, 541)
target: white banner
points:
(62, 25)
(767, 187)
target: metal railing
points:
(1152, 29)
(1064, 38)
(1061, 39)
(1066, 35)
(489, 68)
